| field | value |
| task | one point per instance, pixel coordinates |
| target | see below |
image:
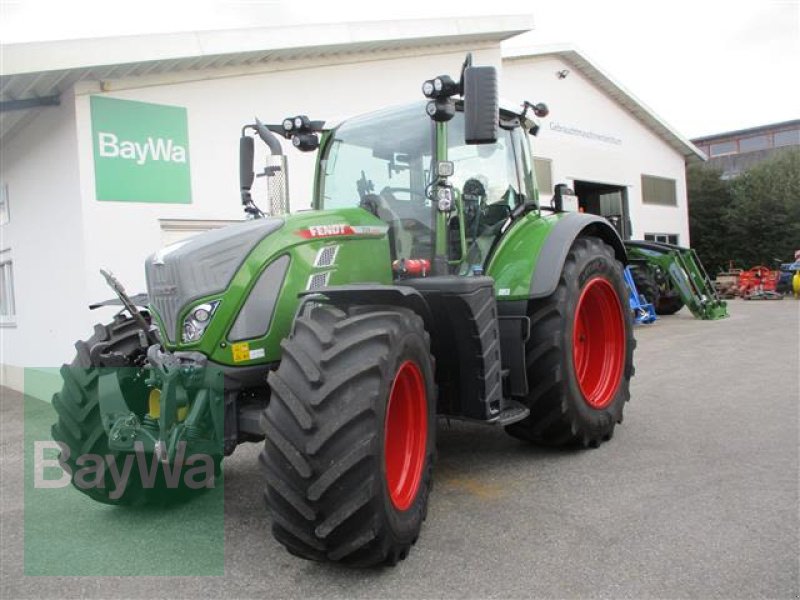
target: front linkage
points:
(185, 403)
(173, 380)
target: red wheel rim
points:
(598, 344)
(406, 435)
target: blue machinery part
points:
(643, 312)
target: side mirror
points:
(480, 105)
(246, 156)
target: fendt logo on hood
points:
(340, 229)
(141, 151)
(315, 231)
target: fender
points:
(370, 294)
(528, 260)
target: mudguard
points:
(528, 259)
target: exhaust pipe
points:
(277, 184)
(275, 171)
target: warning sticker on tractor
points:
(242, 352)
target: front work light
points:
(444, 199)
(445, 168)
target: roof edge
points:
(747, 130)
(35, 57)
(578, 59)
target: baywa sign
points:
(141, 151)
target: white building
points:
(63, 219)
(621, 159)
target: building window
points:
(5, 213)
(723, 148)
(662, 238)
(751, 144)
(544, 174)
(787, 138)
(659, 190)
(7, 309)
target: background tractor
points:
(426, 281)
(671, 277)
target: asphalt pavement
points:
(695, 497)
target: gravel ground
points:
(695, 497)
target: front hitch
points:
(185, 395)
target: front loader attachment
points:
(682, 270)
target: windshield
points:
(381, 162)
(385, 151)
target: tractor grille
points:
(200, 266)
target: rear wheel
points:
(350, 435)
(580, 352)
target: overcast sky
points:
(704, 66)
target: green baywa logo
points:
(157, 149)
(95, 470)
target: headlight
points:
(195, 323)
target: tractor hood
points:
(202, 265)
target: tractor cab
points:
(383, 163)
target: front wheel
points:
(580, 352)
(350, 435)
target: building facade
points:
(104, 164)
(736, 151)
(622, 161)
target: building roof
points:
(749, 131)
(619, 94)
(34, 74)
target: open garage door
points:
(607, 200)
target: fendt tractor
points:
(427, 280)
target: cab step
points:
(514, 411)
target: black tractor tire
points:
(646, 284)
(669, 303)
(113, 346)
(326, 456)
(570, 403)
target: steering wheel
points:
(378, 206)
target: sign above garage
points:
(141, 151)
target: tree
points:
(750, 220)
(709, 200)
(764, 216)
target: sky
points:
(703, 66)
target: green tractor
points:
(425, 281)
